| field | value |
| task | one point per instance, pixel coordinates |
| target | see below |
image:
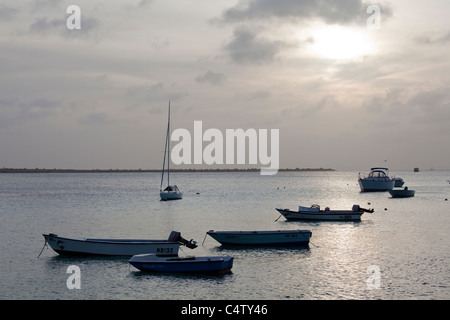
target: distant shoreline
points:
(39, 170)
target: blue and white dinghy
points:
(154, 263)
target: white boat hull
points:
(335, 215)
(110, 247)
(262, 238)
(368, 185)
(170, 195)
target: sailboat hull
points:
(165, 196)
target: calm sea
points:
(401, 251)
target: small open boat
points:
(402, 193)
(117, 247)
(153, 263)
(314, 213)
(262, 238)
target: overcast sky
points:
(343, 94)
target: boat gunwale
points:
(247, 239)
(322, 212)
(178, 260)
(112, 241)
(154, 262)
(400, 193)
(69, 253)
(268, 232)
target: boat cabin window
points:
(377, 174)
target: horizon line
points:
(36, 170)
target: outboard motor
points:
(357, 208)
(176, 237)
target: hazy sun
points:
(339, 43)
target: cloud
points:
(249, 46)
(246, 47)
(43, 5)
(253, 95)
(16, 112)
(427, 110)
(94, 119)
(159, 44)
(7, 13)
(392, 101)
(432, 108)
(439, 38)
(45, 26)
(211, 77)
(144, 3)
(159, 92)
(329, 11)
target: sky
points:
(347, 89)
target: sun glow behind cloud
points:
(340, 43)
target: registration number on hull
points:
(165, 250)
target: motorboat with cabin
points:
(377, 180)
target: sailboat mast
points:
(165, 152)
(168, 148)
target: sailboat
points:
(170, 192)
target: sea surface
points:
(401, 251)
